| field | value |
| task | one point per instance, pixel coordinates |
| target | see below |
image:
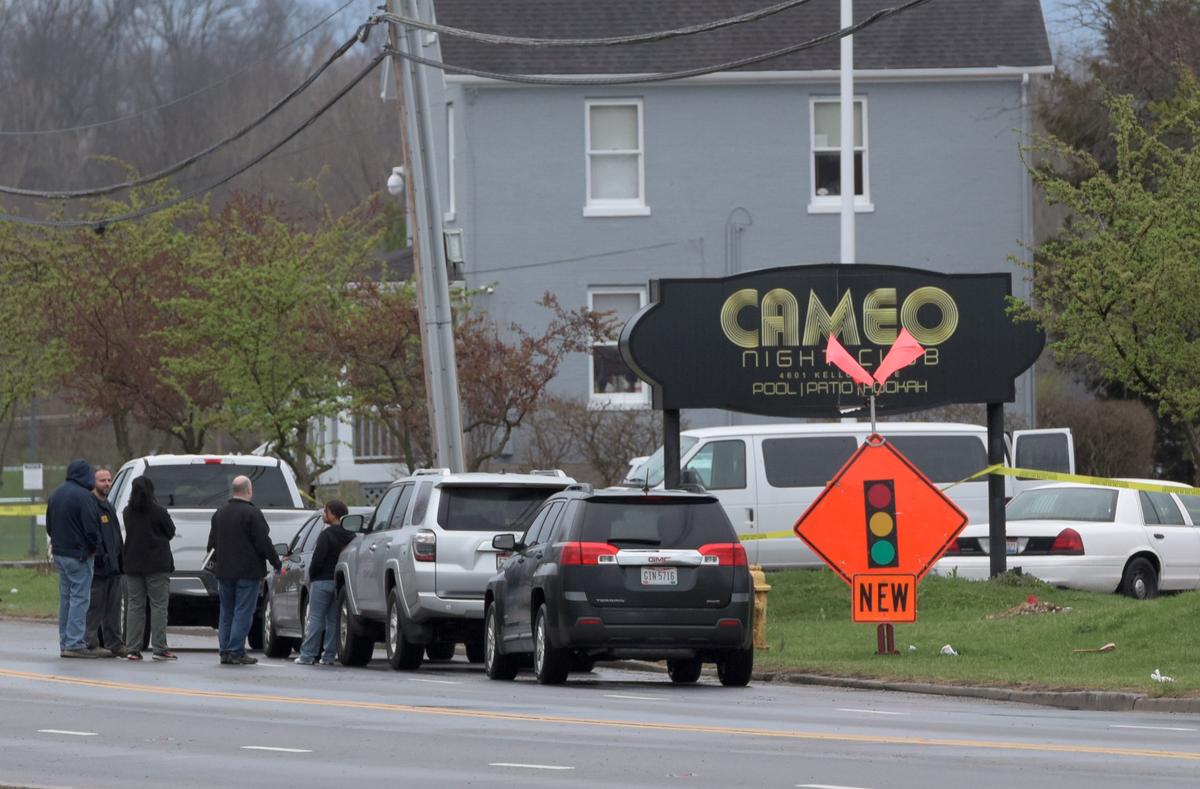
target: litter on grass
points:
(1032, 605)
(1158, 676)
(949, 650)
(1109, 647)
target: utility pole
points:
(847, 142)
(429, 252)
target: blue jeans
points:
(322, 620)
(74, 597)
(238, 601)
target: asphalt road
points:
(101, 723)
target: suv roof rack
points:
(549, 472)
(583, 487)
(422, 472)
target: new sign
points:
(880, 524)
(755, 342)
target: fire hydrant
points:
(761, 587)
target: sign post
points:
(32, 481)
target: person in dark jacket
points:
(240, 540)
(104, 611)
(320, 631)
(73, 525)
(148, 567)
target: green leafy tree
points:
(1114, 289)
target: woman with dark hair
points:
(148, 567)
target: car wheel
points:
(495, 664)
(254, 639)
(440, 650)
(273, 645)
(550, 665)
(1140, 581)
(354, 649)
(735, 667)
(475, 650)
(402, 654)
(683, 671)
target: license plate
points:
(1011, 548)
(660, 576)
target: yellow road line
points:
(678, 728)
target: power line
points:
(186, 96)
(170, 170)
(531, 79)
(638, 38)
(100, 223)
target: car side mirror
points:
(352, 523)
(281, 548)
(504, 542)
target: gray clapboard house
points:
(590, 191)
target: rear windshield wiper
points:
(635, 541)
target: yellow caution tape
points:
(1029, 473)
(1056, 476)
(7, 510)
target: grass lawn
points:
(809, 630)
(36, 595)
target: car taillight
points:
(580, 553)
(728, 554)
(1068, 541)
(424, 545)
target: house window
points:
(611, 381)
(450, 201)
(615, 159)
(826, 172)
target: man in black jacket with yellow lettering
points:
(241, 544)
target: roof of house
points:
(945, 34)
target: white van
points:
(767, 475)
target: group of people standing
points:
(97, 568)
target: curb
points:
(1088, 700)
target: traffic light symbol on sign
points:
(882, 550)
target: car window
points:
(421, 504)
(1067, 504)
(1160, 508)
(310, 540)
(1192, 505)
(721, 465)
(1046, 451)
(114, 493)
(651, 472)
(943, 458)
(489, 508)
(650, 523)
(397, 519)
(805, 462)
(565, 520)
(301, 534)
(536, 526)
(208, 484)
(383, 512)
(542, 533)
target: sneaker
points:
(328, 662)
(304, 661)
(103, 652)
(225, 659)
(242, 660)
(120, 652)
(133, 656)
(79, 653)
(164, 655)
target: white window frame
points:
(623, 207)
(451, 200)
(832, 204)
(628, 400)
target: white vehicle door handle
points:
(1159, 537)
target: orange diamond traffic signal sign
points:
(880, 516)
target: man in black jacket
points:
(73, 525)
(322, 598)
(241, 543)
(104, 612)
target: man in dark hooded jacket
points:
(73, 525)
(320, 633)
(108, 587)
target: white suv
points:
(415, 576)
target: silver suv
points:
(415, 576)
